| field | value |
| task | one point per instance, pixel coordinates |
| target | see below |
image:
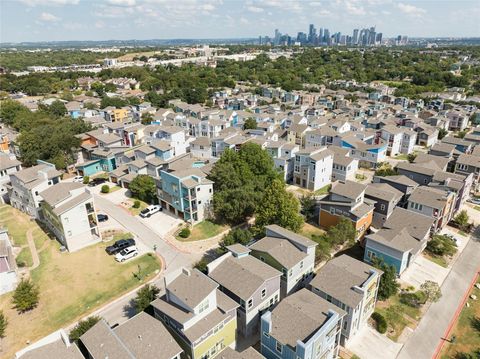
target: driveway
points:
(422, 270)
(368, 343)
(161, 222)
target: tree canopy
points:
(143, 187)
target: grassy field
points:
(323, 190)
(441, 261)
(136, 211)
(71, 286)
(466, 330)
(309, 230)
(203, 230)
(401, 157)
(17, 224)
(398, 316)
(24, 258)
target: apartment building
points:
(27, 183)
(352, 286)
(313, 168)
(386, 198)
(200, 317)
(251, 283)
(302, 326)
(8, 165)
(8, 265)
(291, 254)
(69, 212)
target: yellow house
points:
(202, 319)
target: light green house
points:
(202, 319)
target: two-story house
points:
(346, 199)
(469, 164)
(289, 253)
(386, 199)
(141, 337)
(344, 166)
(8, 165)
(248, 281)
(313, 168)
(302, 326)
(200, 317)
(28, 183)
(399, 182)
(68, 210)
(352, 286)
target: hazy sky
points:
(42, 20)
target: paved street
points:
(426, 337)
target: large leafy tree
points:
(143, 187)
(344, 231)
(26, 296)
(388, 281)
(82, 327)
(279, 207)
(145, 296)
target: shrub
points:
(414, 300)
(86, 180)
(145, 296)
(184, 233)
(136, 204)
(201, 265)
(440, 246)
(82, 327)
(25, 297)
(105, 188)
(3, 324)
(380, 322)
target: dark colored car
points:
(119, 245)
(102, 217)
(96, 181)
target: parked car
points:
(126, 253)
(78, 179)
(120, 245)
(474, 200)
(96, 181)
(102, 217)
(147, 212)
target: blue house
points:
(89, 168)
(302, 326)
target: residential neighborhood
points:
(245, 218)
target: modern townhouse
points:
(233, 141)
(200, 317)
(401, 183)
(427, 135)
(441, 149)
(320, 137)
(249, 282)
(297, 134)
(458, 119)
(403, 237)
(69, 212)
(352, 286)
(460, 144)
(283, 154)
(469, 164)
(289, 253)
(174, 136)
(302, 326)
(409, 139)
(56, 345)
(344, 166)
(27, 183)
(368, 154)
(201, 147)
(8, 265)
(313, 168)
(346, 199)
(141, 337)
(248, 353)
(8, 165)
(431, 161)
(434, 203)
(386, 198)
(186, 192)
(393, 137)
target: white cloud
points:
(316, 3)
(47, 17)
(122, 2)
(353, 9)
(255, 9)
(244, 21)
(99, 24)
(411, 9)
(49, 2)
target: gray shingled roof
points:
(428, 196)
(192, 289)
(248, 353)
(57, 349)
(349, 189)
(281, 250)
(59, 192)
(418, 225)
(277, 231)
(338, 277)
(299, 316)
(383, 191)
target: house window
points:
(382, 207)
(371, 255)
(279, 347)
(250, 303)
(301, 264)
(264, 293)
(266, 335)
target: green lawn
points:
(360, 177)
(16, 222)
(323, 190)
(39, 237)
(401, 156)
(441, 261)
(310, 231)
(398, 316)
(466, 330)
(203, 230)
(136, 211)
(24, 258)
(71, 286)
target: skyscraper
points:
(276, 39)
(312, 34)
(378, 40)
(355, 37)
(320, 36)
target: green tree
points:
(385, 169)
(10, 109)
(461, 134)
(26, 296)
(3, 324)
(143, 187)
(237, 235)
(343, 232)
(82, 327)
(250, 124)
(462, 219)
(145, 296)
(146, 119)
(308, 205)
(442, 133)
(411, 157)
(432, 291)
(279, 207)
(441, 246)
(388, 281)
